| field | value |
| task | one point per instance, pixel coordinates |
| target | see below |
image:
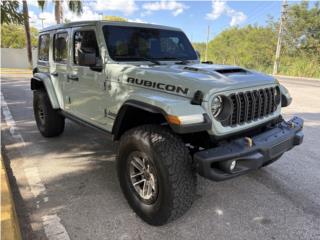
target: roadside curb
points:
(10, 229)
(297, 78)
(15, 71)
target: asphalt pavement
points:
(67, 188)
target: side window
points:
(60, 47)
(85, 42)
(44, 41)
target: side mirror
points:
(86, 58)
(198, 54)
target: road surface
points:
(66, 187)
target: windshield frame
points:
(141, 58)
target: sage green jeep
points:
(172, 115)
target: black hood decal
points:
(158, 85)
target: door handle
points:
(73, 77)
(55, 74)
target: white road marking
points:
(35, 183)
(53, 227)
(10, 121)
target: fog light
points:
(233, 165)
(228, 166)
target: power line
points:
(258, 11)
(278, 50)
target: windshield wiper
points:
(150, 60)
(182, 61)
(137, 58)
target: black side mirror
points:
(86, 58)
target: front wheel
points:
(49, 122)
(155, 173)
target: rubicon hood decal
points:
(158, 85)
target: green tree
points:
(251, 47)
(10, 12)
(302, 29)
(13, 36)
(201, 48)
(115, 18)
(74, 6)
(254, 46)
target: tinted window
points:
(134, 43)
(85, 42)
(60, 43)
(44, 41)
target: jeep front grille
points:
(251, 105)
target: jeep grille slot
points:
(250, 106)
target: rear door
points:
(60, 66)
(89, 102)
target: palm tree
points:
(73, 5)
(10, 12)
(25, 13)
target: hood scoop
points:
(230, 71)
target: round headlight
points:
(216, 106)
(221, 107)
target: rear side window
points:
(60, 47)
(44, 41)
(85, 42)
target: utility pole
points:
(207, 43)
(278, 51)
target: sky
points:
(193, 17)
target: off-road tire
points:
(49, 122)
(175, 175)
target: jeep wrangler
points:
(172, 116)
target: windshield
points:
(139, 44)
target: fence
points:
(16, 58)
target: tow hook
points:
(249, 141)
(291, 124)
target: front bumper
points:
(249, 154)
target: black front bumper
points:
(249, 154)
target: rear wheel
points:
(155, 173)
(49, 122)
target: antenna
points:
(207, 43)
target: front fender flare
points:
(180, 129)
(48, 85)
